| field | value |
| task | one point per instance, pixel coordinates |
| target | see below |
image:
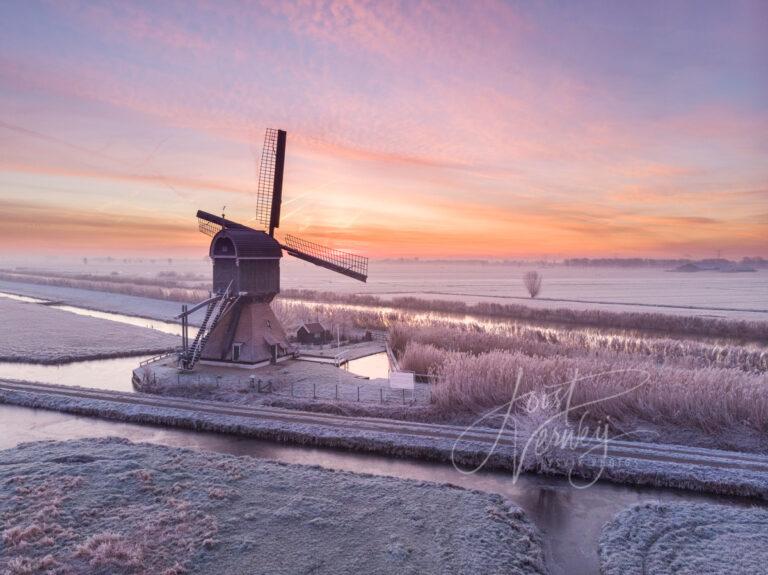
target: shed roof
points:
(248, 244)
(314, 327)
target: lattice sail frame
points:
(207, 227)
(353, 265)
(265, 190)
(268, 204)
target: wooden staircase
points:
(218, 306)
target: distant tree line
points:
(653, 262)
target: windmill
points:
(239, 326)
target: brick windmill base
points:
(247, 333)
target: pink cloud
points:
(414, 101)
(129, 23)
(426, 31)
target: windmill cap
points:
(244, 244)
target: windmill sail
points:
(345, 263)
(211, 225)
(208, 227)
(270, 191)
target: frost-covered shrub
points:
(110, 549)
(422, 359)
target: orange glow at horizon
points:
(414, 130)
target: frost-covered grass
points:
(143, 307)
(301, 383)
(110, 506)
(685, 539)
(39, 334)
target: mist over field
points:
(712, 293)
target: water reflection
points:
(24, 298)
(115, 374)
(112, 374)
(156, 324)
(371, 366)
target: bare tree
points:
(532, 282)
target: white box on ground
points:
(401, 379)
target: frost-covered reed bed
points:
(657, 322)
(552, 342)
(693, 385)
(293, 313)
(623, 388)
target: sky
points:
(415, 129)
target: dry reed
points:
(550, 342)
(648, 321)
(622, 388)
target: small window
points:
(236, 349)
(269, 324)
(223, 247)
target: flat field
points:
(36, 333)
(685, 539)
(706, 293)
(111, 506)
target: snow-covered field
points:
(685, 539)
(39, 334)
(615, 289)
(103, 301)
(712, 293)
(612, 289)
(111, 506)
